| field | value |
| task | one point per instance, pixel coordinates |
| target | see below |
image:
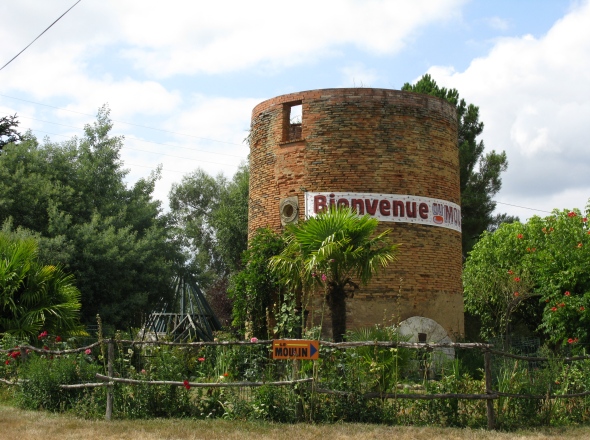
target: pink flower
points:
(42, 335)
(516, 279)
(570, 341)
(253, 339)
(143, 371)
(313, 274)
(186, 384)
(567, 293)
(201, 359)
(324, 277)
(88, 351)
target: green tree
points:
(33, 296)
(253, 289)
(479, 173)
(211, 214)
(8, 130)
(540, 267)
(333, 250)
(114, 239)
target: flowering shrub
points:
(548, 258)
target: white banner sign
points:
(389, 207)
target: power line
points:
(152, 152)
(132, 137)
(523, 207)
(13, 58)
(121, 122)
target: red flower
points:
(201, 359)
(15, 354)
(7, 362)
(45, 347)
(58, 339)
(579, 245)
(582, 308)
(225, 374)
(515, 293)
(585, 219)
(567, 293)
(570, 341)
(519, 236)
(42, 335)
(516, 279)
(562, 305)
(571, 214)
(553, 309)
(186, 384)
(510, 272)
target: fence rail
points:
(489, 396)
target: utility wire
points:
(121, 122)
(523, 207)
(152, 152)
(13, 58)
(133, 138)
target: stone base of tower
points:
(366, 310)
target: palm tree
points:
(332, 250)
(34, 297)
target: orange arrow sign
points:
(295, 349)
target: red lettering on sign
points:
(319, 204)
(423, 210)
(384, 206)
(343, 202)
(398, 205)
(358, 206)
(371, 206)
(411, 209)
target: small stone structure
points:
(388, 153)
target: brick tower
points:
(387, 153)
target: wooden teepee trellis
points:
(187, 317)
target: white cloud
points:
(534, 98)
(358, 75)
(187, 37)
(497, 23)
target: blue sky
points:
(190, 73)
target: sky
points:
(181, 77)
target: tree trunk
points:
(337, 304)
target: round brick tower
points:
(386, 153)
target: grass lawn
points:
(29, 425)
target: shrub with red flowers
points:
(553, 280)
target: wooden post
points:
(23, 355)
(299, 403)
(489, 389)
(110, 360)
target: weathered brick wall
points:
(371, 141)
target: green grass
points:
(29, 425)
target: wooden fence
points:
(489, 396)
